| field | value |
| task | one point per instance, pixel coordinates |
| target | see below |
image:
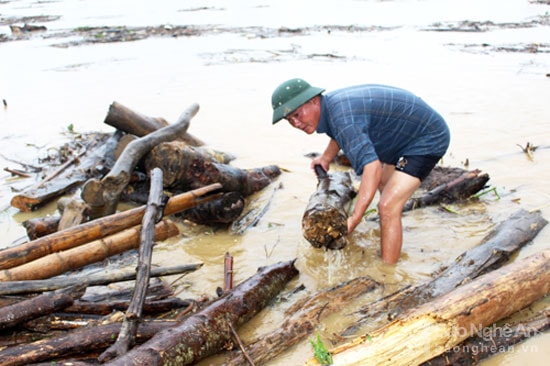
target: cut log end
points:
(327, 228)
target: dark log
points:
(29, 286)
(301, 320)
(491, 341)
(256, 210)
(96, 160)
(324, 223)
(207, 331)
(38, 306)
(458, 189)
(107, 307)
(80, 341)
(223, 210)
(92, 230)
(38, 227)
(493, 251)
(153, 212)
(124, 119)
(103, 195)
(436, 326)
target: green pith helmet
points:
(290, 95)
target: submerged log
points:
(324, 223)
(92, 230)
(92, 164)
(429, 330)
(223, 210)
(124, 119)
(493, 251)
(93, 252)
(103, 195)
(302, 319)
(207, 331)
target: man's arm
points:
(328, 156)
(370, 179)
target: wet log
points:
(96, 279)
(186, 168)
(125, 119)
(38, 227)
(80, 341)
(103, 195)
(207, 331)
(458, 189)
(492, 340)
(91, 164)
(256, 210)
(41, 305)
(493, 251)
(93, 252)
(301, 320)
(436, 326)
(324, 223)
(92, 230)
(153, 212)
(107, 307)
(220, 211)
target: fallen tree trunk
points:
(302, 318)
(207, 331)
(493, 251)
(124, 119)
(29, 286)
(75, 258)
(434, 327)
(103, 195)
(494, 340)
(223, 210)
(91, 164)
(92, 230)
(107, 307)
(324, 223)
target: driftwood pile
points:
(54, 308)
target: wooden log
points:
(92, 230)
(493, 340)
(150, 307)
(38, 306)
(434, 327)
(223, 210)
(103, 195)
(38, 227)
(124, 119)
(256, 209)
(127, 335)
(324, 223)
(75, 258)
(80, 341)
(92, 164)
(492, 252)
(96, 279)
(207, 331)
(301, 320)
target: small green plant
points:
(322, 355)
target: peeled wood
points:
(75, 258)
(124, 119)
(493, 251)
(429, 330)
(103, 195)
(324, 223)
(207, 331)
(92, 230)
(302, 319)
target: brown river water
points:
(490, 85)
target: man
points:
(392, 138)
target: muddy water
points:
(492, 100)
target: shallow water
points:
(492, 100)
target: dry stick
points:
(228, 272)
(92, 230)
(126, 337)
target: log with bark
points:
(93, 252)
(92, 163)
(125, 119)
(103, 195)
(93, 230)
(223, 210)
(209, 330)
(492, 252)
(301, 320)
(324, 223)
(434, 327)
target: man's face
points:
(306, 117)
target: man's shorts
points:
(417, 165)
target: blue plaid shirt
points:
(378, 122)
